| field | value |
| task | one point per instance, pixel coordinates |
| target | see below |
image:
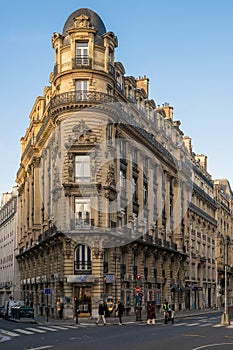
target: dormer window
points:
(81, 53)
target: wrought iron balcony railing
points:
(82, 267)
(80, 96)
(82, 62)
(81, 224)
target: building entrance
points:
(83, 297)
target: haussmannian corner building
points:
(105, 186)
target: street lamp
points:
(225, 316)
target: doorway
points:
(83, 294)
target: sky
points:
(184, 47)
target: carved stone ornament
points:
(82, 21)
(82, 132)
(111, 181)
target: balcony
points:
(82, 267)
(69, 98)
(83, 224)
(82, 62)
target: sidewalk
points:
(42, 320)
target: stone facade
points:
(224, 253)
(107, 202)
(9, 272)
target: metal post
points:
(225, 317)
(47, 307)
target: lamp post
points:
(225, 316)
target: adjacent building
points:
(9, 272)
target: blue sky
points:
(184, 47)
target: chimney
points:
(143, 83)
(203, 160)
(187, 141)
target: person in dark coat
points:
(101, 312)
(120, 309)
(151, 314)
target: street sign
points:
(47, 291)
(138, 289)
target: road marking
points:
(24, 331)
(61, 328)
(179, 324)
(206, 324)
(73, 327)
(36, 330)
(194, 335)
(11, 334)
(217, 325)
(231, 326)
(48, 329)
(211, 345)
(192, 324)
(42, 347)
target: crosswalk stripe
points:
(10, 334)
(72, 327)
(24, 331)
(179, 324)
(192, 324)
(230, 326)
(48, 329)
(61, 328)
(36, 330)
(218, 325)
(206, 324)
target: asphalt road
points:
(199, 332)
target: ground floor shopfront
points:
(62, 276)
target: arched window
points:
(82, 263)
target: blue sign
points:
(47, 291)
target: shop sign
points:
(109, 278)
(81, 279)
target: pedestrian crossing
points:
(16, 332)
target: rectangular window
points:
(82, 212)
(109, 133)
(81, 53)
(81, 89)
(122, 149)
(82, 168)
(123, 183)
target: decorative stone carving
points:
(111, 181)
(82, 21)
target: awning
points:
(81, 279)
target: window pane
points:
(82, 168)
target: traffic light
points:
(75, 299)
(138, 277)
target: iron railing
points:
(80, 96)
(82, 267)
(81, 61)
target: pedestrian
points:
(101, 312)
(120, 309)
(151, 314)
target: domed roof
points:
(95, 21)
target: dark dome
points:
(95, 21)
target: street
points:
(193, 333)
